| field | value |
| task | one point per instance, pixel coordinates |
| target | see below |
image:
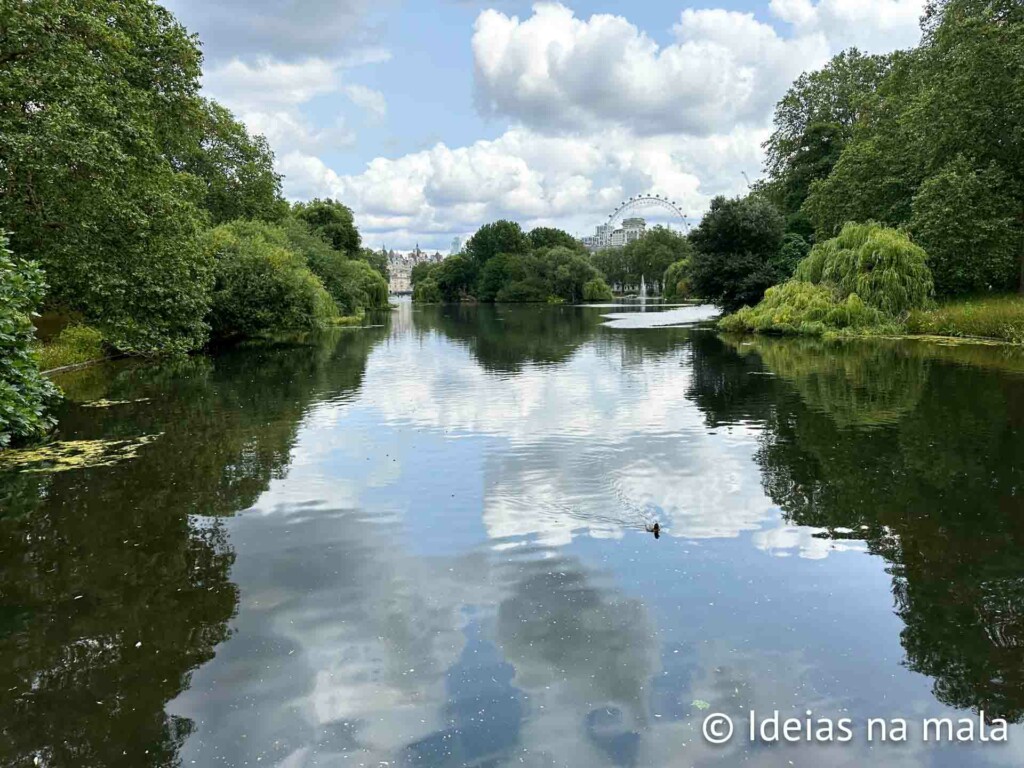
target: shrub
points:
(74, 345)
(996, 317)
(797, 307)
(532, 289)
(426, 292)
(597, 290)
(25, 394)
(261, 286)
(676, 281)
(880, 265)
(862, 279)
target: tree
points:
(91, 99)
(377, 260)
(567, 270)
(597, 289)
(236, 169)
(651, 255)
(959, 95)
(262, 286)
(455, 277)
(612, 263)
(736, 244)
(491, 239)
(421, 271)
(675, 281)
(966, 221)
(333, 221)
(549, 237)
(25, 395)
(813, 122)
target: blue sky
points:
(432, 117)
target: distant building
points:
(400, 267)
(456, 246)
(607, 236)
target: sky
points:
(431, 117)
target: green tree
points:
(549, 237)
(959, 95)
(612, 263)
(498, 237)
(967, 223)
(333, 221)
(91, 99)
(422, 271)
(651, 255)
(737, 244)
(596, 289)
(236, 169)
(568, 271)
(426, 292)
(676, 280)
(25, 394)
(378, 260)
(813, 122)
(262, 286)
(455, 277)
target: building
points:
(608, 236)
(400, 267)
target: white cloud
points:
(533, 178)
(367, 98)
(873, 25)
(556, 72)
(269, 96)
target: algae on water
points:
(73, 454)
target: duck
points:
(654, 528)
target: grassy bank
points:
(75, 345)
(995, 317)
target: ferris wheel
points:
(641, 202)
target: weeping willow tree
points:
(866, 278)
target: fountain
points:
(643, 288)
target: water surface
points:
(423, 544)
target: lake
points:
(424, 543)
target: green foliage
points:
(736, 243)
(597, 289)
(797, 307)
(864, 279)
(378, 260)
(612, 263)
(333, 221)
(676, 280)
(943, 132)
(881, 266)
(491, 239)
(237, 170)
(421, 271)
(426, 292)
(967, 223)
(559, 272)
(25, 394)
(995, 317)
(813, 122)
(649, 257)
(549, 237)
(74, 345)
(92, 99)
(262, 286)
(794, 249)
(455, 277)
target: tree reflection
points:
(925, 461)
(113, 588)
